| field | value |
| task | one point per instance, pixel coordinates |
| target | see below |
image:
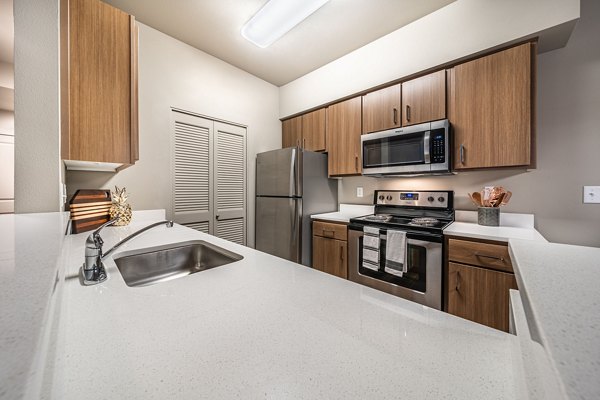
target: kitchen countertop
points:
(263, 327)
(30, 245)
(512, 226)
(345, 212)
(558, 285)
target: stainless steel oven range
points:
(422, 215)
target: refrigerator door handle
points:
(296, 173)
(297, 229)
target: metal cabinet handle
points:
(298, 142)
(342, 253)
(457, 281)
(356, 162)
(304, 142)
(395, 116)
(407, 112)
(489, 256)
(462, 153)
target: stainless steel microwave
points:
(414, 150)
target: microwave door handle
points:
(426, 145)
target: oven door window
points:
(394, 150)
(414, 278)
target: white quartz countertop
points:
(264, 327)
(512, 226)
(558, 284)
(30, 246)
(345, 212)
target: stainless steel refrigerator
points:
(291, 185)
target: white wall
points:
(568, 146)
(173, 74)
(455, 31)
(37, 132)
(7, 75)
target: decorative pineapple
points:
(120, 208)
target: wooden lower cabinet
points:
(330, 253)
(479, 294)
(479, 277)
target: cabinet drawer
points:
(329, 230)
(487, 255)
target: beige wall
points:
(568, 146)
(455, 31)
(37, 134)
(173, 74)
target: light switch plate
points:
(359, 191)
(591, 194)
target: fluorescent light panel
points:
(277, 18)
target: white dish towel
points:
(370, 256)
(395, 253)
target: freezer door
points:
(279, 227)
(279, 173)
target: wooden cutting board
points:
(89, 209)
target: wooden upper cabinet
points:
(381, 109)
(424, 99)
(480, 295)
(491, 109)
(291, 132)
(313, 130)
(99, 119)
(343, 137)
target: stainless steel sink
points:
(158, 264)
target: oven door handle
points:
(426, 147)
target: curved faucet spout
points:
(93, 270)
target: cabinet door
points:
(313, 130)
(291, 132)
(491, 110)
(381, 109)
(424, 99)
(330, 256)
(99, 82)
(343, 137)
(479, 294)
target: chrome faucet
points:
(93, 271)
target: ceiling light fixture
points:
(276, 18)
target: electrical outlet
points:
(359, 191)
(591, 194)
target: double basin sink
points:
(149, 266)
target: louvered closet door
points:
(230, 182)
(192, 171)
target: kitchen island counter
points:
(261, 327)
(558, 286)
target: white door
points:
(192, 175)
(230, 182)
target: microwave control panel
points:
(438, 146)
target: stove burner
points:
(425, 221)
(378, 218)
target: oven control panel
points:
(413, 198)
